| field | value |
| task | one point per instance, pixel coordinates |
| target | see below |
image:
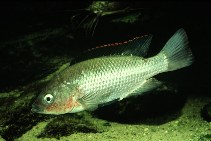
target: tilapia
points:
(100, 80)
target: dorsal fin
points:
(138, 46)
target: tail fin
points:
(177, 52)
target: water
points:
(38, 40)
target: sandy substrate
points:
(188, 127)
(17, 122)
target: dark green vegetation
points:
(67, 125)
(206, 137)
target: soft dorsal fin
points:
(138, 46)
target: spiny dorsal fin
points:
(138, 46)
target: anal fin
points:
(147, 86)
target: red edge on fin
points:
(117, 44)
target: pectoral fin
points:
(89, 102)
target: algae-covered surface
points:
(189, 126)
(38, 41)
(181, 123)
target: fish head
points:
(57, 100)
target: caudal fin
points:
(176, 51)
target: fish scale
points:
(89, 83)
(123, 72)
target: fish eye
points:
(48, 98)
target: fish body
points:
(98, 81)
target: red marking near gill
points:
(69, 104)
(53, 107)
(117, 44)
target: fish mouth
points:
(36, 109)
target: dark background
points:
(161, 19)
(36, 35)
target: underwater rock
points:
(16, 116)
(65, 125)
(206, 112)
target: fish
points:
(90, 83)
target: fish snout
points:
(36, 109)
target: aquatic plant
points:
(88, 18)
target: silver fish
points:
(97, 81)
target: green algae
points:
(206, 137)
(130, 18)
(185, 125)
(67, 125)
(45, 53)
(16, 116)
(188, 127)
(1, 139)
